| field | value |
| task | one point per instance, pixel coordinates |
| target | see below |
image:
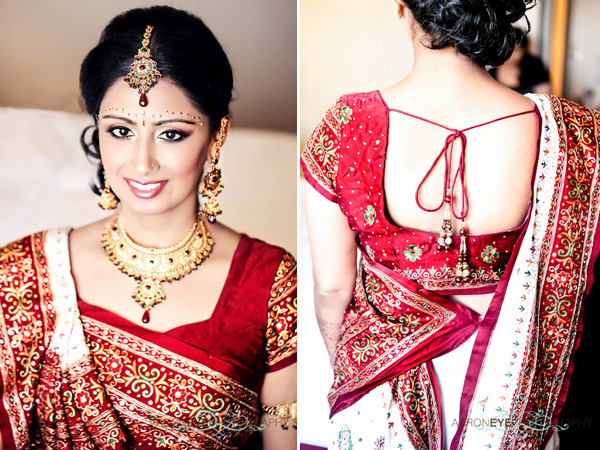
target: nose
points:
(142, 159)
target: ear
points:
(400, 8)
(215, 146)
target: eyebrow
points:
(156, 124)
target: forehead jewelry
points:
(143, 74)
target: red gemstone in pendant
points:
(143, 100)
(146, 316)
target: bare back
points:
(499, 161)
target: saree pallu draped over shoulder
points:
(521, 362)
(74, 382)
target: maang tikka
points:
(212, 185)
(143, 74)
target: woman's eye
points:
(173, 136)
(120, 132)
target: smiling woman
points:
(158, 325)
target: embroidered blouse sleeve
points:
(282, 316)
(320, 157)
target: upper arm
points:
(320, 157)
(332, 246)
(331, 239)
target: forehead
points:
(165, 96)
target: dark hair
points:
(521, 40)
(185, 50)
(482, 30)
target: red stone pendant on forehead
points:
(143, 73)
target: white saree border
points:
(507, 351)
(68, 340)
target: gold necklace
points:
(151, 267)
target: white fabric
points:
(373, 422)
(506, 351)
(68, 339)
(451, 370)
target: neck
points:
(445, 70)
(157, 231)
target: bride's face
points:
(153, 156)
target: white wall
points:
(582, 75)
(42, 44)
(354, 46)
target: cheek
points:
(187, 165)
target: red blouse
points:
(344, 161)
(252, 329)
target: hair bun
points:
(480, 30)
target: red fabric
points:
(392, 323)
(346, 157)
(232, 340)
(195, 386)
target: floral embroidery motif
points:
(370, 253)
(320, 158)
(27, 314)
(168, 388)
(283, 313)
(572, 218)
(370, 215)
(345, 114)
(413, 252)
(490, 254)
(345, 439)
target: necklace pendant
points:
(151, 267)
(149, 293)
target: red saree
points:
(76, 376)
(521, 362)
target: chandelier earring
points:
(211, 184)
(107, 198)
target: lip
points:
(146, 190)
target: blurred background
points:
(357, 46)
(44, 176)
(43, 43)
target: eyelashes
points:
(121, 132)
(173, 135)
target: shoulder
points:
(261, 252)
(348, 106)
(262, 267)
(563, 109)
(361, 106)
(17, 252)
(12, 253)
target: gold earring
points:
(212, 185)
(107, 199)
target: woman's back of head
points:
(481, 30)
